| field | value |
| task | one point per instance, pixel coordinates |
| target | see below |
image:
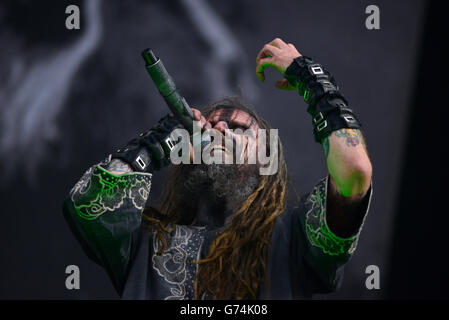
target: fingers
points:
(269, 56)
(284, 85)
(204, 124)
(279, 55)
(261, 65)
(279, 43)
(271, 49)
(267, 52)
(196, 114)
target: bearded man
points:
(222, 231)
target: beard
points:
(220, 182)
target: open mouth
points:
(218, 148)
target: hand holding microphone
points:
(151, 150)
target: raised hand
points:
(279, 55)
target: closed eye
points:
(234, 126)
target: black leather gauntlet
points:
(327, 105)
(150, 151)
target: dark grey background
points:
(69, 97)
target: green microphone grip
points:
(167, 88)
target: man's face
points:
(238, 121)
(228, 118)
(235, 181)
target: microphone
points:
(167, 88)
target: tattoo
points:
(117, 166)
(353, 136)
(326, 146)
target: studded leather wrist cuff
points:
(150, 151)
(327, 105)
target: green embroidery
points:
(99, 191)
(317, 229)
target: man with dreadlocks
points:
(222, 230)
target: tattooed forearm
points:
(353, 136)
(117, 166)
(348, 162)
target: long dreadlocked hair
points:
(235, 266)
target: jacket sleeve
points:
(104, 211)
(323, 252)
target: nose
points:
(221, 126)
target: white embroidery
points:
(175, 265)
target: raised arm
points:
(347, 159)
(350, 180)
(329, 219)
